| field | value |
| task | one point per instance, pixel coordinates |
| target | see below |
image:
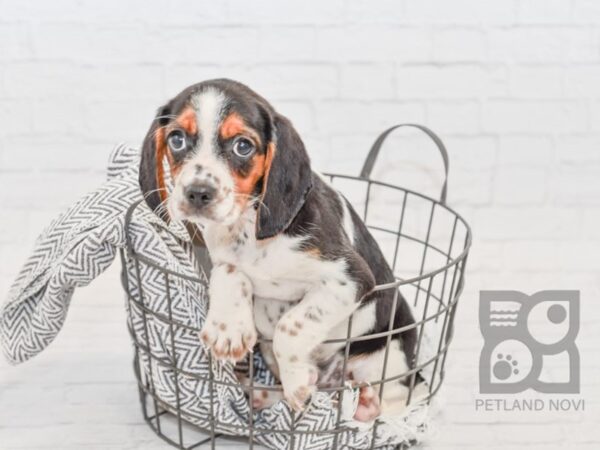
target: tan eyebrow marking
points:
(187, 120)
(233, 125)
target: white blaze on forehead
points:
(208, 105)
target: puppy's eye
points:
(177, 141)
(243, 147)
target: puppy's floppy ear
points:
(287, 181)
(151, 175)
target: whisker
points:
(162, 206)
(148, 193)
(166, 116)
(154, 134)
(253, 199)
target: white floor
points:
(80, 392)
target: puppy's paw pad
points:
(368, 407)
(228, 342)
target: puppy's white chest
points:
(275, 266)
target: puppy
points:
(291, 258)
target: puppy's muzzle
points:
(200, 195)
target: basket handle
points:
(374, 152)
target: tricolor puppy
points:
(291, 258)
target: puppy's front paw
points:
(299, 383)
(228, 341)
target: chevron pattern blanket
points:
(83, 241)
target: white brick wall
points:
(513, 88)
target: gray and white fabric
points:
(82, 242)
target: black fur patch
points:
(321, 220)
(288, 183)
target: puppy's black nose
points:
(200, 195)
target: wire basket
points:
(425, 242)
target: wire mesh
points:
(429, 272)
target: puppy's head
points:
(226, 150)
